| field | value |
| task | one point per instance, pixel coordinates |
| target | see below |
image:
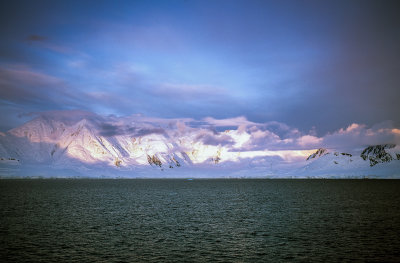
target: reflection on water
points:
(199, 220)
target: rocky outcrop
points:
(173, 162)
(176, 162)
(377, 154)
(117, 162)
(153, 160)
(320, 152)
(344, 154)
(217, 158)
(334, 157)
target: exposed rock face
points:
(117, 162)
(153, 160)
(334, 157)
(344, 154)
(377, 154)
(176, 162)
(216, 159)
(173, 162)
(320, 152)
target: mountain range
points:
(71, 144)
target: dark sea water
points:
(59, 220)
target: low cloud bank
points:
(242, 135)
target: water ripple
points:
(199, 220)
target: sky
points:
(318, 66)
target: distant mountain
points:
(362, 163)
(90, 146)
(374, 154)
(54, 143)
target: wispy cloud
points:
(21, 84)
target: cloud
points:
(148, 131)
(105, 125)
(235, 122)
(43, 42)
(186, 61)
(188, 92)
(359, 136)
(36, 38)
(210, 138)
(24, 90)
(255, 137)
(22, 85)
(259, 137)
(68, 117)
(396, 131)
(309, 141)
(109, 130)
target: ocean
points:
(171, 220)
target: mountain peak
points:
(320, 152)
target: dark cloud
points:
(351, 75)
(304, 63)
(24, 86)
(109, 130)
(170, 101)
(105, 125)
(215, 139)
(27, 91)
(147, 131)
(36, 38)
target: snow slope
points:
(342, 164)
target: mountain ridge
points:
(90, 144)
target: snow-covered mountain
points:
(86, 144)
(52, 142)
(373, 161)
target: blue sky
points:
(314, 65)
